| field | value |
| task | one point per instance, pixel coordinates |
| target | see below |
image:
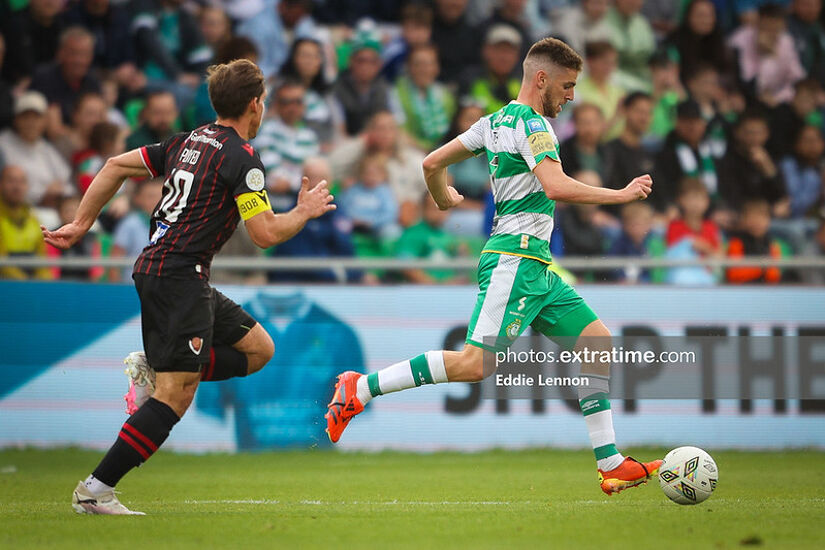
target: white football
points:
(688, 475)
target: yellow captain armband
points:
(541, 142)
(251, 204)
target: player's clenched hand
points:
(453, 199)
(638, 188)
(64, 237)
(317, 201)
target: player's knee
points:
(178, 400)
(594, 336)
(262, 353)
(267, 349)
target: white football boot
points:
(141, 381)
(84, 502)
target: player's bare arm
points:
(269, 229)
(435, 173)
(103, 187)
(560, 187)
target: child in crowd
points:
(87, 247)
(692, 235)
(753, 239)
(639, 240)
(106, 140)
(428, 239)
(803, 171)
(131, 234)
(371, 206)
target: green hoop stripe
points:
(420, 370)
(605, 451)
(372, 381)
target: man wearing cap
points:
(360, 90)
(515, 14)
(497, 82)
(24, 145)
(684, 153)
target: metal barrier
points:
(236, 263)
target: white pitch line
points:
(362, 502)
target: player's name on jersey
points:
(521, 379)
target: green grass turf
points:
(323, 499)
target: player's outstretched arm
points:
(435, 173)
(103, 187)
(559, 186)
(268, 229)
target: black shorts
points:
(183, 318)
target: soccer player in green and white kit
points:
(516, 288)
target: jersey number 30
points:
(176, 191)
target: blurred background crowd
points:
(721, 101)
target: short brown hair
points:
(555, 51)
(597, 49)
(690, 185)
(428, 47)
(373, 159)
(103, 135)
(233, 85)
(418, 14)
(586, 106)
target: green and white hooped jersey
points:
(515, 139)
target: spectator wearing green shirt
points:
(667, 92)
(428, 239)
(598, 86)
(632, 36)
(159, 120)
(423, 106)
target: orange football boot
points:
(344, 404)
(629, 473)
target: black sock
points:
(225, 362)
(140, 437)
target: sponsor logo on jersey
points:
(535, 125)
(255, 179)
(160, 230)
(208, 140)
(503, 119)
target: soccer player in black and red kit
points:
(191, 332)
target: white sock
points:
(95, 486)
(427, 368)
(595, 406)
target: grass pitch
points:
(323, 499)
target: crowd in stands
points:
(721, 101)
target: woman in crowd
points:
(306, 63)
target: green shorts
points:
(515, 293)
